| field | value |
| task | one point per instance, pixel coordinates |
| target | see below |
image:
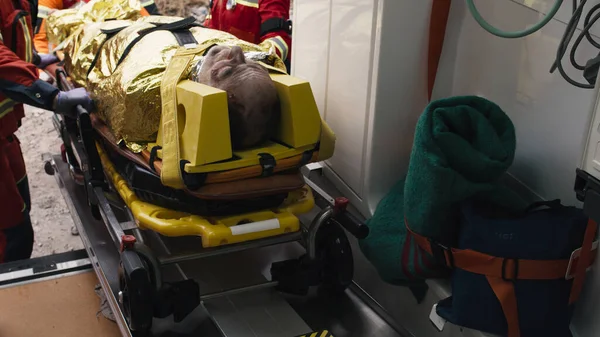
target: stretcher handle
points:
(65, 85)
(62, 81)
(345, 219)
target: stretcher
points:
(123, 190)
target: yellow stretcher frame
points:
(215, 231)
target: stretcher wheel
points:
(136, 292)
(335, 253)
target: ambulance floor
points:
(55, 307)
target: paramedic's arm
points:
(45, 7)
(272, 13)
(19, 81)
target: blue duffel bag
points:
(534, 296)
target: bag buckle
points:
(439, 253)
(569, 274)
(515, 269)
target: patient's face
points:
(251, 92)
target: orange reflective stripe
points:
(505, 292)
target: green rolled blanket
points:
(462, 147)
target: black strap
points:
(184, 36)
(553, 204)
(37, 26)
(268, 163)
(173, 26)
(208, 49)
(192, 181)
(306, 157)
(153, 154)
(275, 24)
(110, 33)
(152, 9)
(33, 12)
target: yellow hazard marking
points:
(323, 333)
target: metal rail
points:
(112, 301)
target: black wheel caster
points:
(136, 293)
(48, 168)
(335, 253)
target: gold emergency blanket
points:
(65, 23)
(128, 95)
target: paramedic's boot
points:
(74, 231)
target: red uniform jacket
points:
(254, 21)
(19, 81)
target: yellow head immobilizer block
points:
(205, 140)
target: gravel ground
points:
(49, 214)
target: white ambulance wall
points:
(551, 116)
(366, 62)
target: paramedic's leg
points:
(16, 232)
(19, 241)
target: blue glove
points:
(45, 60)
(66, 101)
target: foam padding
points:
(215, 231)
(300, 123)
(204, 124)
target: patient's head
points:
(251, 95)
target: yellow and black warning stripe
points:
(322, 333)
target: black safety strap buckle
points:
(268, 164)
(516, 270)
(442, 254)
(192, 181)
(306, 157)
(185, 37)
(153, 155)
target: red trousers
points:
(16, 232)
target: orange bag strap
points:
(505, 293)
(585, 259)
(502, 272)
(438, 19)
(507, 268)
